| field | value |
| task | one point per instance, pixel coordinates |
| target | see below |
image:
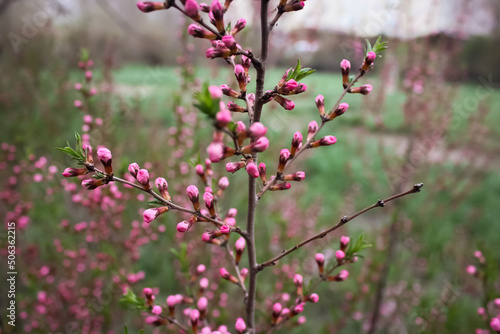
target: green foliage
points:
(154, 203)
(378, 47)
(205, 103)
(181, 255)
(131, 301)
(355, 247)
(299, 73)
(195, 161)
(78, 154)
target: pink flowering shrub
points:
(206, 215)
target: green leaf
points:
(228, 28)
(154, 203)
(231, 126)
(303, 73)
(78, 154)
(141, 331)
(195, 161)
(205, 103)
(355, 247)
(125, 329)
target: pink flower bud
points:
(320, 104)
(320, 259)
(301, 88)
(171, 301)
(344, 241)
(277, 308)
(91, 184)
(199, 170)
(240, 325)
(232, 212)
(240, 74)
(297, 176)
(298, 280)
(78, 86)
(370, 57)
(230, 42)
(183, 226)
(244, 273)
(78, 103)
(204, 283)
(149, 215)
(238, 26)
(240, 245)
(198, 32)
(223, 183)
(104, 155)
(495, 324)
(288, 87)
(72, 172)
(314, 298)
(193, 195)
(284, 102)
(202, 304)
(232, 167)
(93, 91)
(228, 91)
(343, 275)
(88, 75)
(257, 130)
(224, 273)
(215, 151)
(280, 186)
(162, 186)
(223, 118)
(345, 66)
(497, 302)
(471, 270)
(284, 156)
(191, 8)
(217, 14)
(148, 292)
(143, 177)
(200, 269)
(149, 6)
(156, 310)
(224, 229)
(233, 107)
(208, 198)
(194, 315)
(260, 145)
(340, 255)
(325, 141)
(312, 129)
(252, 170)
(215, 92)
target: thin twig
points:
(236, 268)
(344, 220)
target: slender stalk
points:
(252, 198)
(236, 268)
(380, 203)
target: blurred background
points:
(432, 117)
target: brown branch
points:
(236, 268)
(344, 220)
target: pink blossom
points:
(345, 65)
(204, 283)
(370, 57)
(340, 255)
(344, 241)
(133, 169)
(471, 270)
(149, 215)
(202, 304)
(240, 244)
(229, 41)
(93, 91)
(193, 193)
(232, 167)
(252, 170)
(183, 226)
(301, 320)
(78, 103)
(240, 325)
(215, 151)
(277, 308)
(495, 324)
(223, 183)
(171, 301)
(104, 155)
(314, 298)
(224, 229)
(257, 130)
(298, 280)
(156, 310)
(320, 259)
(215, 92)
(143, 177)
(206, 237)
(78, 86)
(191, 8)
(223, 117)
(343, 275)
(208, 198)
(200, 269)
(223, 273)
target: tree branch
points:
(344, 220)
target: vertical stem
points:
(252, 196)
